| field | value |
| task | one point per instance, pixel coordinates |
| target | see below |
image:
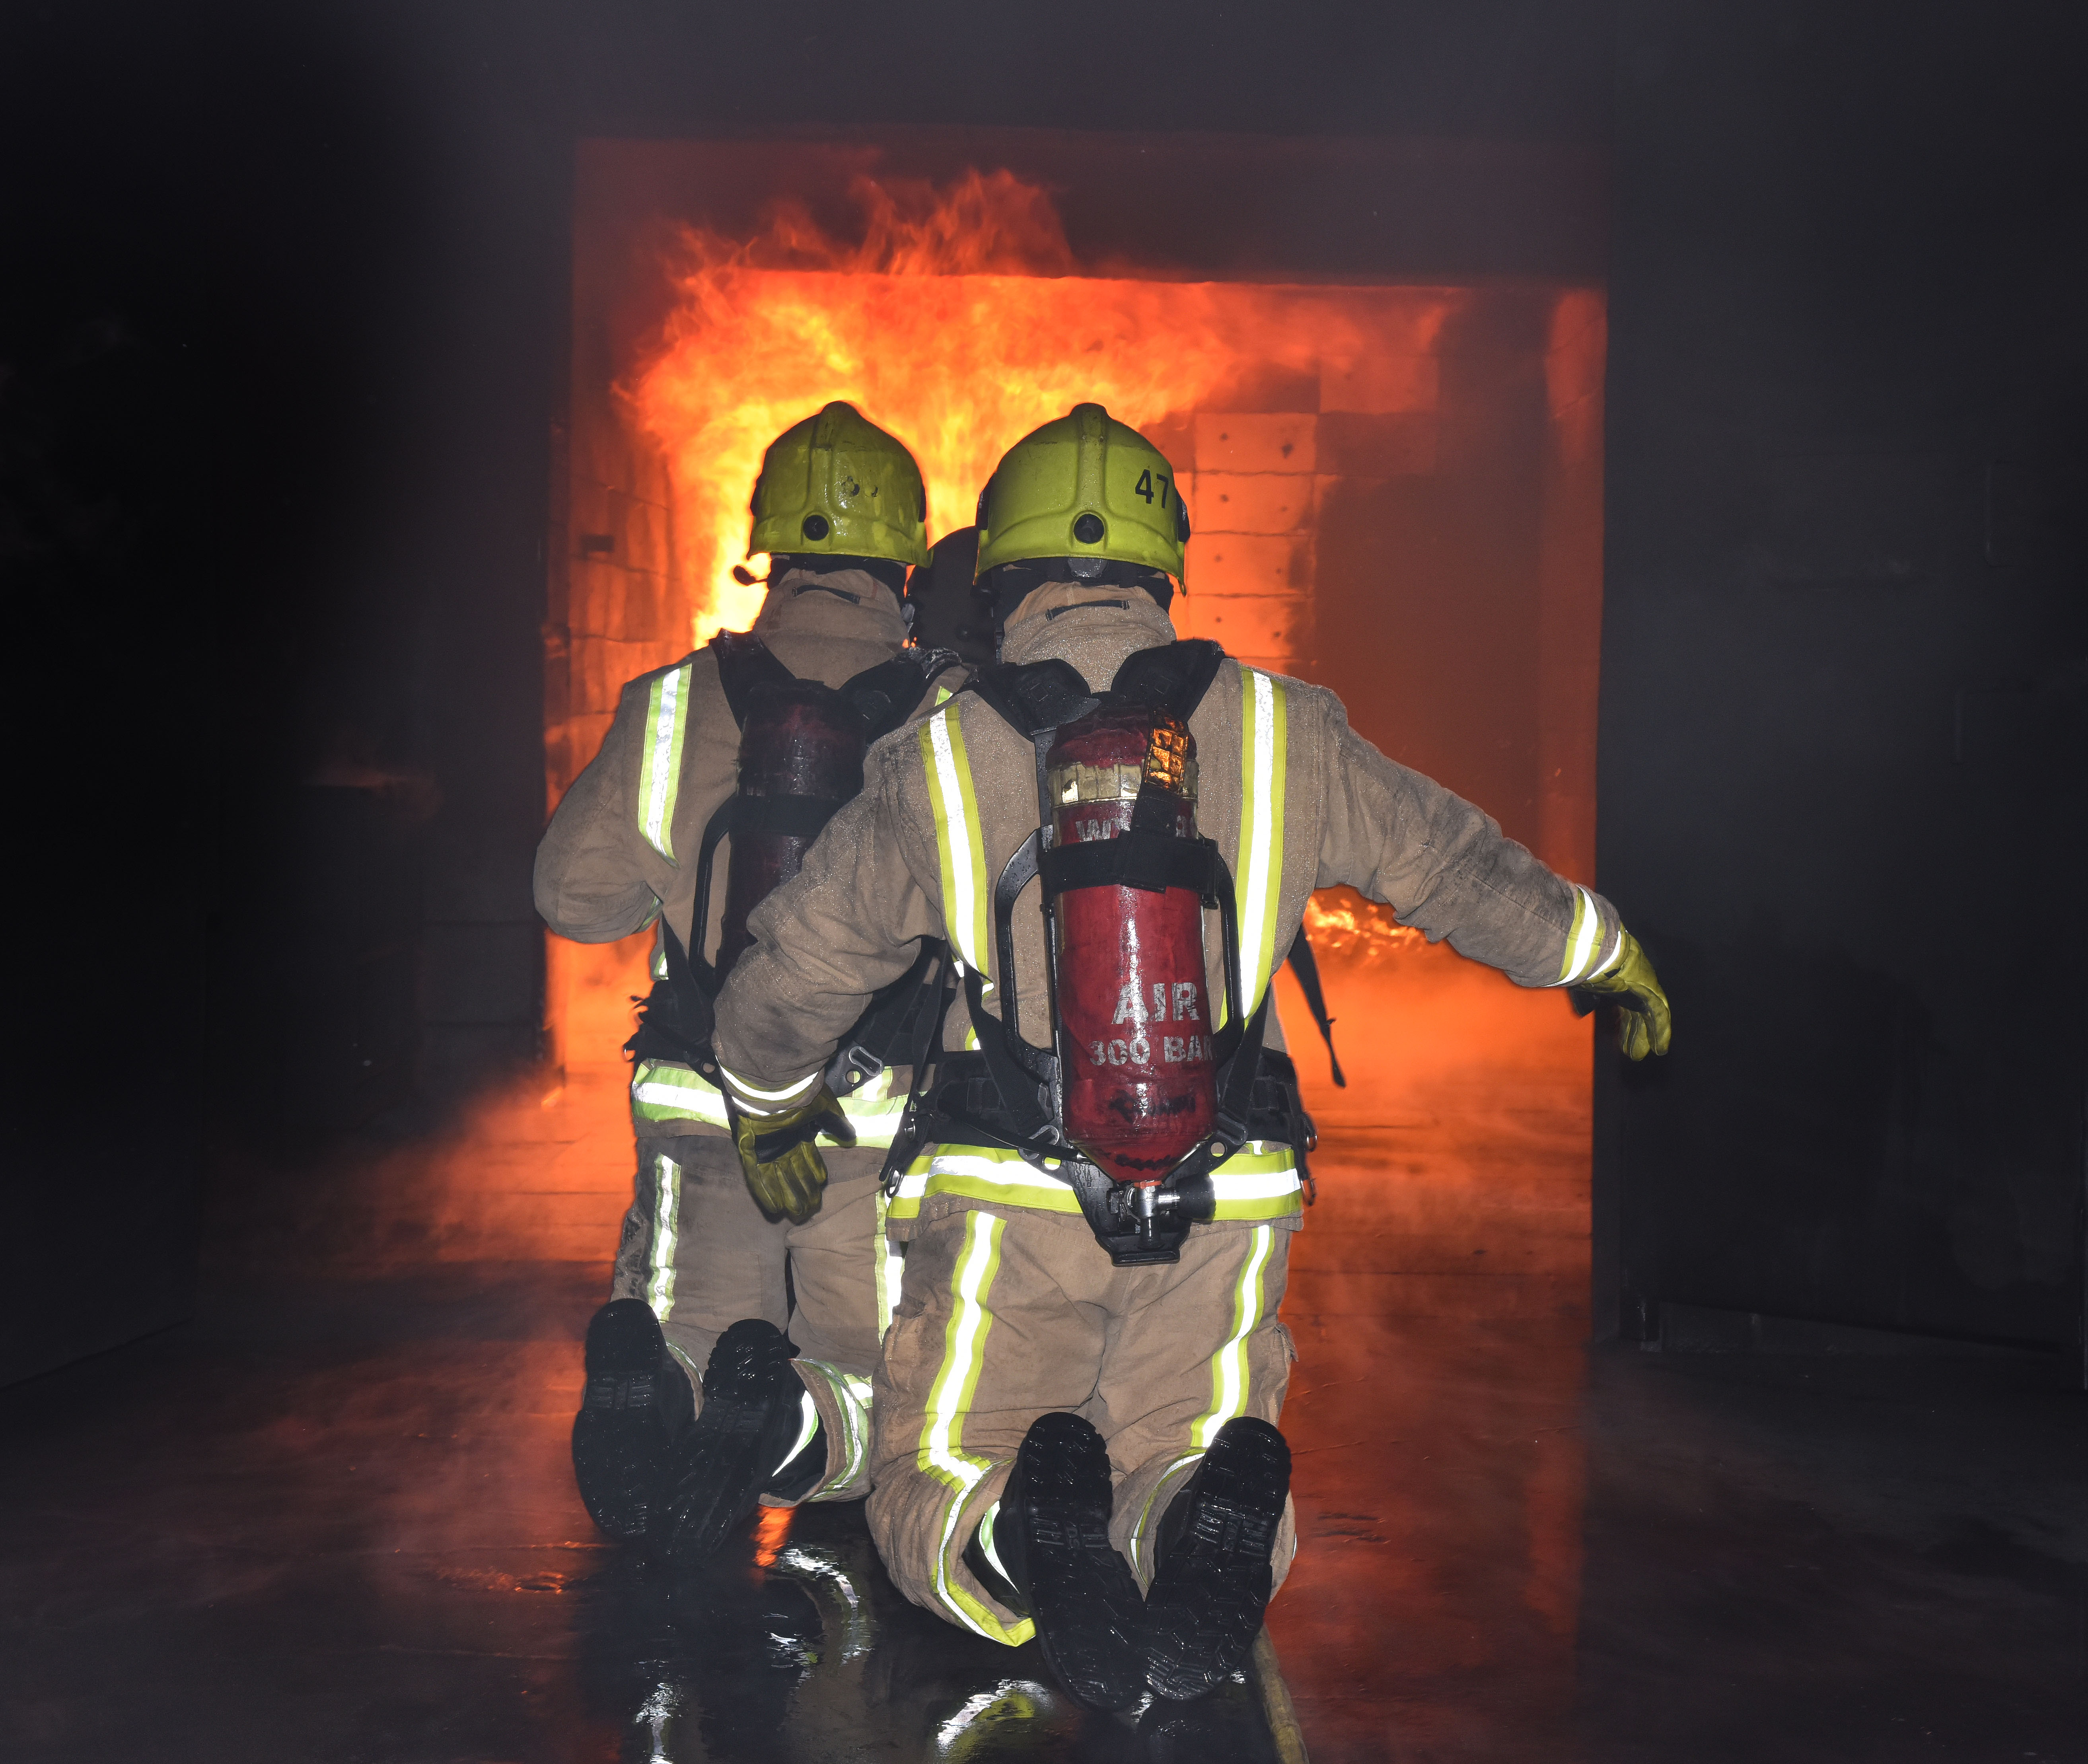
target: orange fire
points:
(957, 323)
(771, 1530)
(1341, 923)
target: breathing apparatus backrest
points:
(1035, 697)
(1170, 676)
(883, 696)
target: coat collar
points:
(833, 603)
(1094, 626)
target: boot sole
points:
(622, 1454)
(622, 1438)
(1082, 1593)
(739, 1435)
(1205, 1605)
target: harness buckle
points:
(861, 1064)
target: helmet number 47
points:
(1144, 487)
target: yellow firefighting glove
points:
(1644, 1023)
(784, 1169)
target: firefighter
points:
(1096, 1184)
(713, 779)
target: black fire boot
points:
(1212, 1583)
(753, 1413)
(1052, 1537)
(638, 1402)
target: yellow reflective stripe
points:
(1258, 1182)
(1229, 1366)
(670, 1092)
(1580, 937)
(667, 1218)
(662, 1091)
(659, 953)
(874, 1111)
(1258, 876)
(959, 839)
(660, 774)
(851, 1395)
(941, 1454)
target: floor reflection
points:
(333, 1520)
(1438, 1297)
(815, 1657)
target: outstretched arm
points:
(1444, 866)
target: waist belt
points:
(963, 1105)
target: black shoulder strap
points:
(744, 665)
(885, 695)
(1035, 695)
(1306, 967)
(1171, 677)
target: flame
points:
(772, 1531)
(954, 324)
(1341, 923)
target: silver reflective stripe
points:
(1228, 1365)
(750, 1096)
(666, 1216)
(1258, 876)
(1580, 938)
(807, 1427)
(660, 773)
(959, 836)
(851, 1394)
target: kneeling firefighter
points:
(1098, 1176)
(713, 782)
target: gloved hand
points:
(784, 1169)
(1644, 1023)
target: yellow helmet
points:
(1084, 485)
(839, 484)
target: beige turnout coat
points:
(1294, 799)
(621, 850)
(1007, 1306)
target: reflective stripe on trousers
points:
(942, 1454)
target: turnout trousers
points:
(1008, 1312)
(699, 1252)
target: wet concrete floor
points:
(331, 1518)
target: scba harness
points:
(1143, 1094)
(802, 747)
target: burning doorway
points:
(1396, 483)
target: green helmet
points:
(1085, 486)
(837, 483)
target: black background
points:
(280, 334)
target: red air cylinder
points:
(1141, 1087)
(802, 740)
